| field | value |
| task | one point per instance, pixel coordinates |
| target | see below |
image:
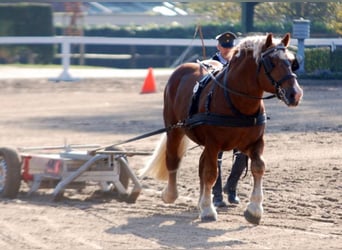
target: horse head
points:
(275, 70)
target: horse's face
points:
(278, 64)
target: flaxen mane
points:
(252, 43)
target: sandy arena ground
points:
(302, 184)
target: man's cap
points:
(226, 39)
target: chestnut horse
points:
(228, 113)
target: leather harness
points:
(209, 118)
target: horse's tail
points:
(156, 166)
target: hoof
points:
(208, 218)
(169, 198)
(251, 218)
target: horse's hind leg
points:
(208, 174)
(254, 208)
(176, 146)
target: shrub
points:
(317, 59)
(26, 20)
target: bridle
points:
(266, 62)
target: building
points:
(122, 14)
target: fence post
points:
(65, 75)
(133, 63)
(167, 56)
(301, 31)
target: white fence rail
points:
(67, 41)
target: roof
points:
(161, 8)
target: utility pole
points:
(75, 25)
(247, 16)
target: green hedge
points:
(336, 60)
(323, 60)
(26, 20)
(317, 59)
(209, 30)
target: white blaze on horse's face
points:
(297, 93)
(291, 97)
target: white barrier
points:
(66, 42)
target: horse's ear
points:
(286, 39)
(268, 40)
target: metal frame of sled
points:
(72, 168)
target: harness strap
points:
(225, 68)
(155, 132)
(224, 120)
(209, 97)
(227, 97)
(198, 88)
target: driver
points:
(225, 42)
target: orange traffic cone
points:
(149, 83)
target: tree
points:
(322, 14)
(247, 16)
(336, 24)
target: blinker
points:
(268, 64)
(295, 64)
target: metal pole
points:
(73, 175)
(65, 75)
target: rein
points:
(229, 89)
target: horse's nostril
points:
(292, 97)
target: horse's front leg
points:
(254, 208)
(208, 174)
